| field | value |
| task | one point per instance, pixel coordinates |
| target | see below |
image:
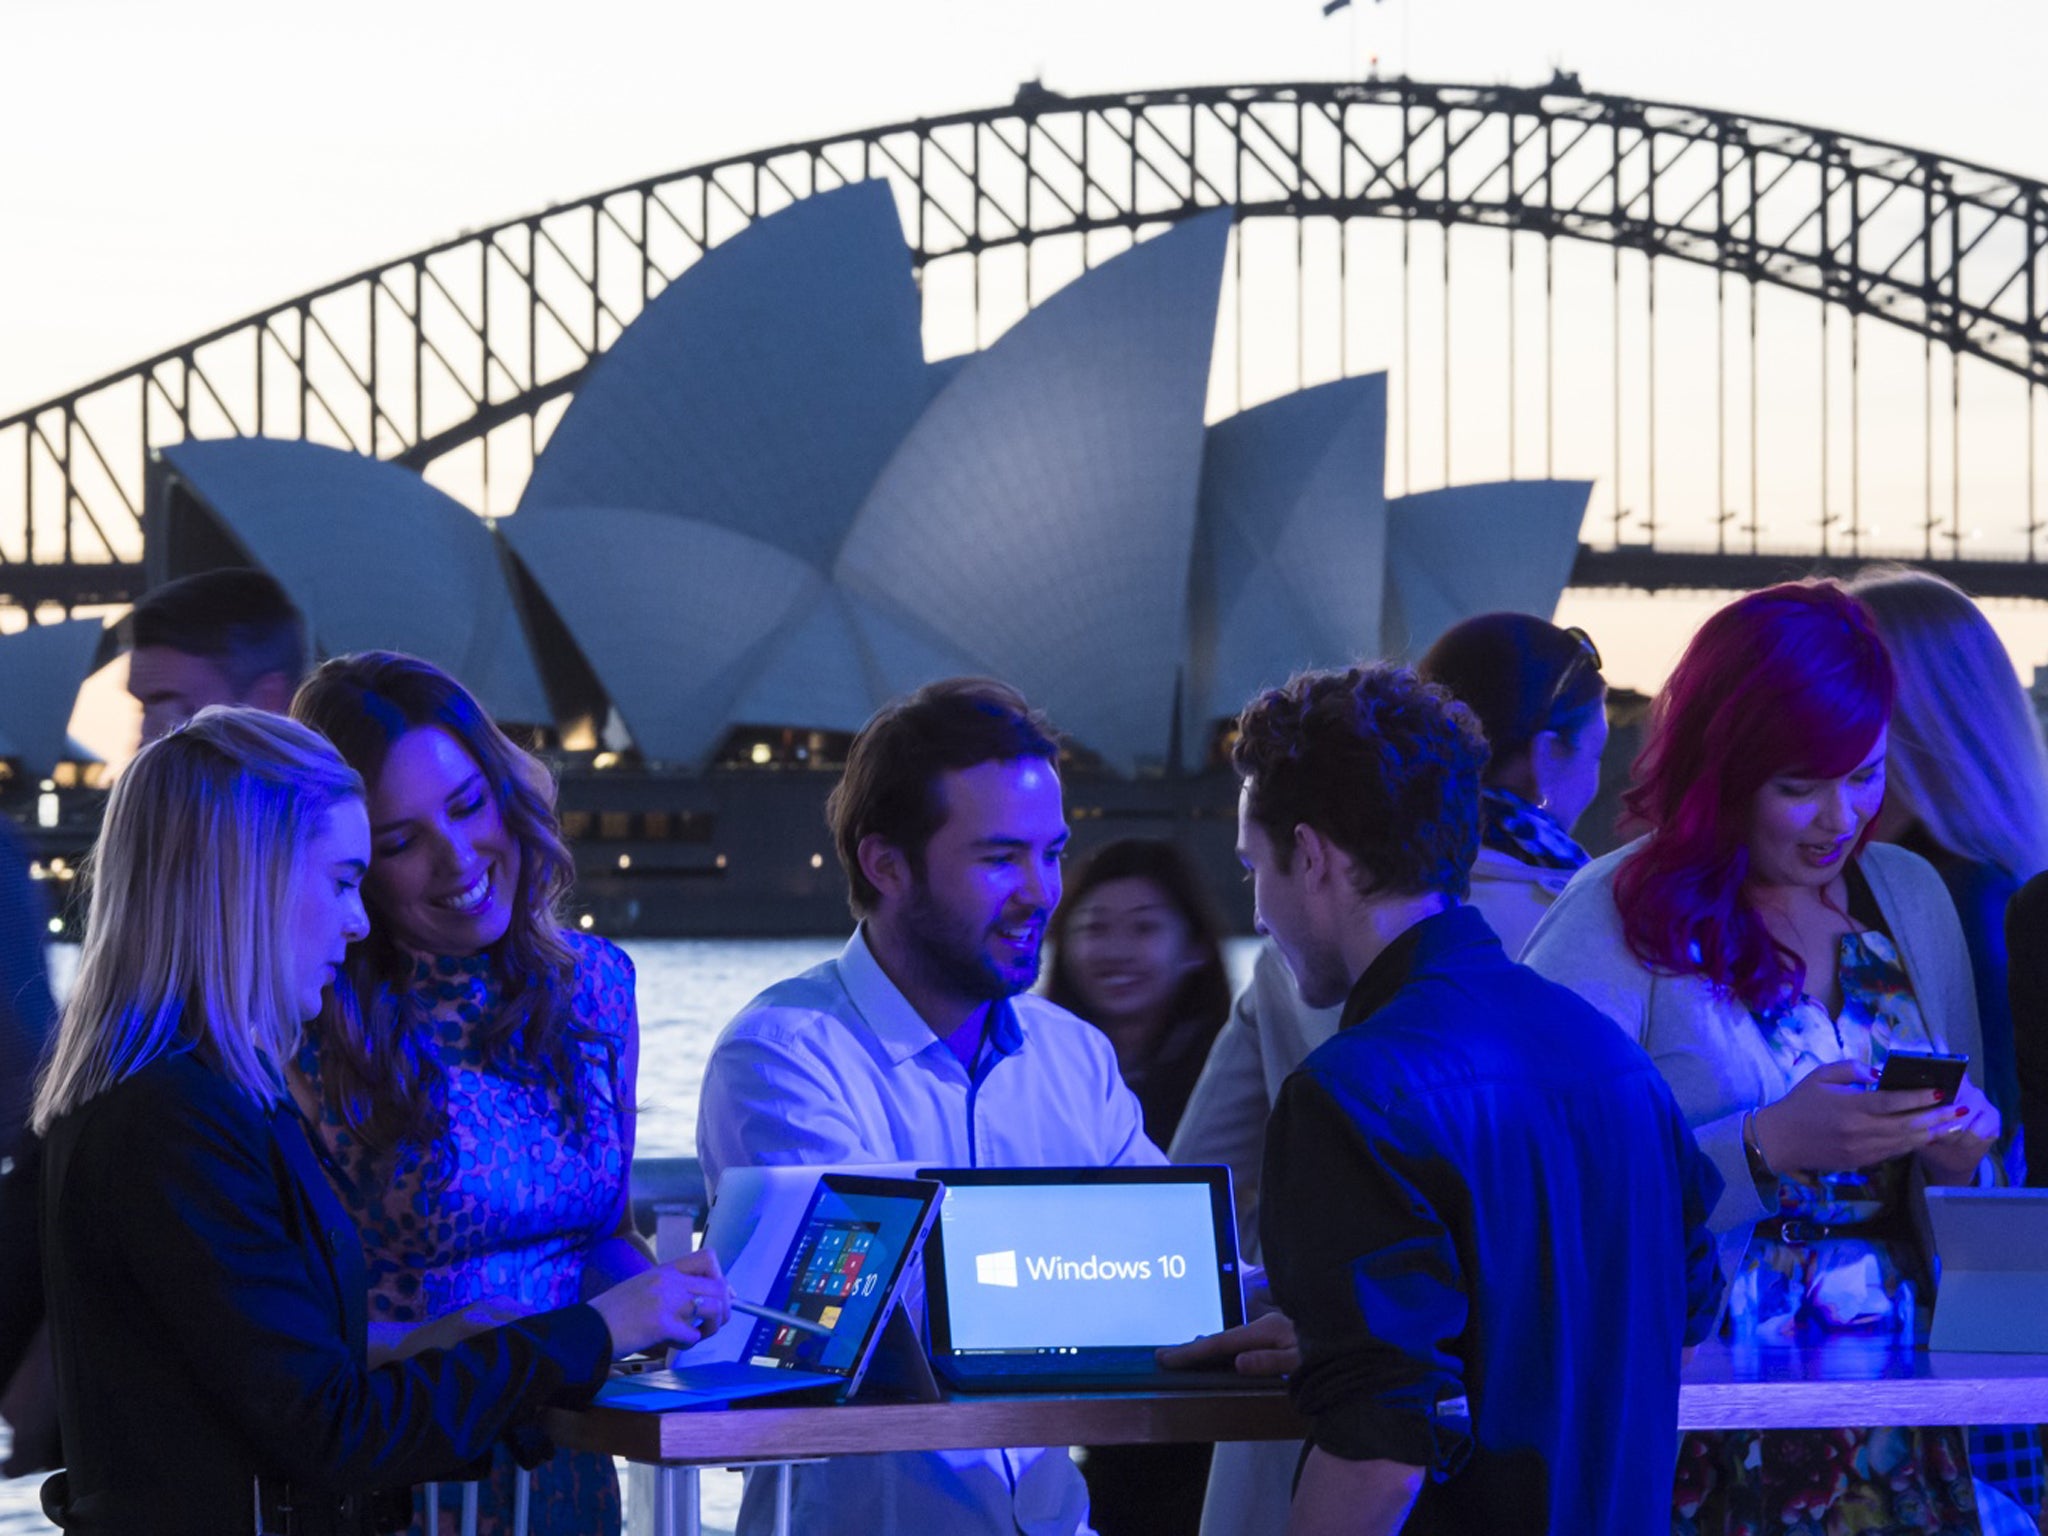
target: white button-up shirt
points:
(836, 1066)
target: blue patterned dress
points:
(507, 1204)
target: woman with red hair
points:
(1769, 957)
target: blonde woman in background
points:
(1968, 792)
(1968, 786)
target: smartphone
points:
(1907, 1071)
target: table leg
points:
(665, 1491)
(522, 1500)
(691, 1520)
(469, 1508)
(782, 1485)
(663, 1500)
(430, 1508)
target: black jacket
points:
(207, 1290)
(1481, 1192)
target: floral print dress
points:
(1803, 1279)
(506, 1205)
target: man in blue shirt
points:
(1482, 1208)
(920, 1044)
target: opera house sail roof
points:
(41, 670)
(374, 557)
(764, 506)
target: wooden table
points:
(1844, 1383)
(676, 1445)
(1850, 1384)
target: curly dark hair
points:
(377, 1075)
(1381, 763)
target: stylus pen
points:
(786, 1319)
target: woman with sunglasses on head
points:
(1539, 696)
(1770, 956)
(472, 1084)
(206, 1288)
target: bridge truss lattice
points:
(457, 359)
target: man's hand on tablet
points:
(1263, 1347)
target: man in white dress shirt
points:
(920, 1043)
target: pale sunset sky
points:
(169, 167)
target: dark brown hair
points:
(1205, 992)
(1381, 763)
(1521, 676)
(239, 619)
(890, 787)
(377, 1075)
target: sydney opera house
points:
(765, 512)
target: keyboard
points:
(1135, 1370)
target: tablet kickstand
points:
(899, 1371)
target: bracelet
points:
(1759, 1169)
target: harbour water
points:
(687, 989)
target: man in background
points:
(220, 637)
(920, 1044)
(1443, 1176)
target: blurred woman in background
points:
(1967, 780)
(1136, 954)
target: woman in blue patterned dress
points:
(474, 1087)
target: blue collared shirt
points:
(836, 1066)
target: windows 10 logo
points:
(997, 1268)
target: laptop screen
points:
(840, 1271)
(1053, 1261)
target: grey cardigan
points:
(1705, 1042)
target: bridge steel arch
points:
(465, 348)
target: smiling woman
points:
(1135, 953)
(473, 1083)
(1769, 957)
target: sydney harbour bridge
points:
(1774, 348)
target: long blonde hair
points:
(1966, 757)
(184, 949)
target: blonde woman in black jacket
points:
(207, 1289)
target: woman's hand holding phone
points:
(1835, 1118)
(1960, 1145)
